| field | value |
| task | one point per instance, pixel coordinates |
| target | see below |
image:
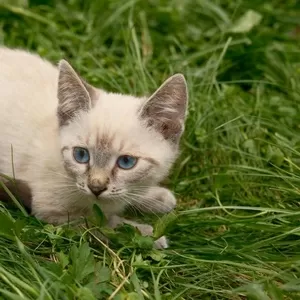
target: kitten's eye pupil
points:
(126, 162)
(81, 155)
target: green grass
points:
(237, 229)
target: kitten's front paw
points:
(145, 230)
(161, 243)
(164, 200)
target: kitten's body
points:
(40, 123)
(28, 123)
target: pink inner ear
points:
(166, 108)
(171, 130)
(74, 94)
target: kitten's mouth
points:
(108, 198)
(102, 197)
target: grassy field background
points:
(235, 233)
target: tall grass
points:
(235, 233)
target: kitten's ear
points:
(74, 94)
(165, 110)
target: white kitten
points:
(75, 145)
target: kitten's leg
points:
(157, 200)
(145, 229)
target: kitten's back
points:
(23, 74)
(28, 86)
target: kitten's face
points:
(116, 146)
(117, 162)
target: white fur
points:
(29, 126)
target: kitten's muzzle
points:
(98, 183)
(97, 190)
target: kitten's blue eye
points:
(81, 155)
(126, 162)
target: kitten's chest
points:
(64, 199)
(110, 207)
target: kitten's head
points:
(115, 146)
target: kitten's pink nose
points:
(97, 190)
(98, 184)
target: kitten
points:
(75, 145)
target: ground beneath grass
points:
(235, 233)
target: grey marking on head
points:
(104, 141)
(103, 149)
(102, 158)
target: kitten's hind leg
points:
(157, 200)
(19, 189)
(145, 229)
